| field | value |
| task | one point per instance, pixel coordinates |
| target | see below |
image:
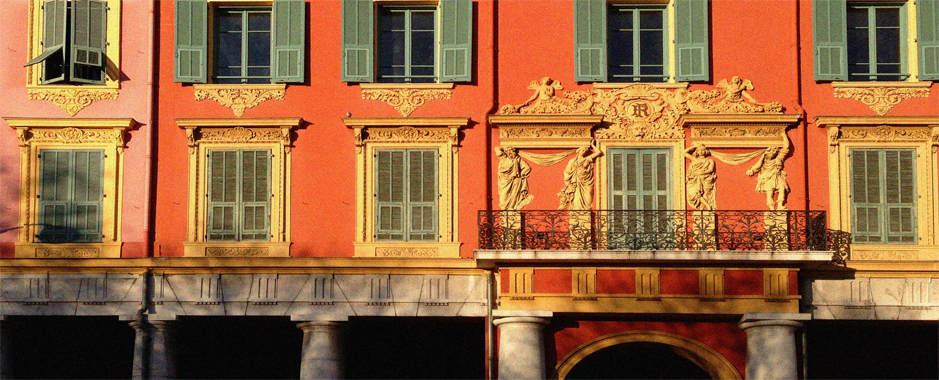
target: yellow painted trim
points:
(711, 282)
(738, 130)
(584, 281)
(236, 249)
(406, 86)
(113, 50)
(545, 131)
(641, 304)
(894, 252)
(920, 133)
(712, 362)
(776, 283)
(881, 84)
(108, 135)
(647, 282)
(407, 249)
(520, 281)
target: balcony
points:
(733, 232)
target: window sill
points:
(664, 86)
(923, 84)
(236, 249)
(408, 86)
(408, 249)
(111, 250)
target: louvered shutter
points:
(866, 209)
(590, 54)
(390, 189)
(55, 29)
(691, 40)
(87, 180)
(883, 196)
(456, 40)
(255, 195)
(899, 195)
(222, 194)
(88, 42)
(422, 195)
(191, 57)
(829, 26)
(358, 47)
(289, 37)
(55, 195)
(927, 13)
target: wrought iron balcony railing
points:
(656, 230)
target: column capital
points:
(793, 320)
(312, 325)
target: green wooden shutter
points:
(456, 40)
(691, 42)
(88, 41)
(55, 195)
(55, 29)
(358, 47)
(390, 189)
(255, 194)
(866, 203)
(87, 194)
(927, 14)
(191, 57)
(590, 55)
(829, 26)
(883, 196)
(222, 193)
(900, 196)
(288, 41)
(422, 195)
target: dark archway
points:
(638, 360)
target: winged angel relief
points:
(641, 111)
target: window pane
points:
(229, 22)
(259, 49)
(229, 50)
(651, 45)
(259, 21)
(422, 48)
(888, 17)
(888, 46)
(422, 21)
(650, 20)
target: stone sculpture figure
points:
(513, 179)
(579, 179)
(772, 177)
(701, 178)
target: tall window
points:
(239, 195)
(406, 45)
(70, 195)
(883, 195)
(243, 45)
(639, 190)
(636, 44)
(875, 42)
(406, 194)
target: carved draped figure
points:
(579, 180)
(513, 182)
(701, 179)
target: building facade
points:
(469, 189)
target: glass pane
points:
(888, 17)
(650, 20)
(391, 20)
(857, 18)
(259, 21)
(620, 20)
(392, 48)
(422, 21)
(259, 72)
(259, 49)
(229, 50)
(422, 48)
(650, 44)
(888, 46)
(229, 22)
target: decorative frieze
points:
(72, 100)
(71, 252)
(406, 252)
(405, 100)
(881, 98)
(236, 251)
(240, 97)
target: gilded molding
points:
(881, 99)
(409, 134)
(240, 97)
(84, 253)
(406, 252)
(405, 100)
(884, 255)
(642, 111)
(236, 252)
(72, 100)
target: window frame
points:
(215, 45)
(239, 203)
(635, 11)
(112, 58)
(406, 203)
(206, 135)
(71, 203)
(675, 173)
(884, 205)
(37, 135)
(903, 30)
(408, 53)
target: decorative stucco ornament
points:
(881, 99)
(701, 178)
(577, 193)
(405, 100)
(72, 100)
(772, 177)
(240, 97)
(513, 179)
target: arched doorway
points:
(645, 355)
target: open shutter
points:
(422, 195)
(829, 26)
(255, 195)
(456, 45)
(289, 37)
(89, 40)
(223, 194)
(590, 56)
(358, 47)
(900, 196)
(54, 31)
(691, 40)
(390, 189)
(85, 213)
(55, 195)
(927, 13)
(191, 57)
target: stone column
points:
(771, 345)
(162, 350)
(6, 344)
(141, 349)
(521, 344)
(322, 357)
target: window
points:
(407, 193)
(74, 42)
(250, 44)
(239, 192)
(630, 42)
(639, 181)
(70, 194)
(416, 44)
(873, 41)
(883, 195)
